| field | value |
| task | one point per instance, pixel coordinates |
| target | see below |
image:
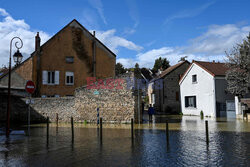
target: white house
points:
(203, 88)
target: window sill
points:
(194, 82)
(191, 107)
(69, 84)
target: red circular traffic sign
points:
(30, 87)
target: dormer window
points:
(194, 79)
(69, 59)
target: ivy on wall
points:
(79, 47)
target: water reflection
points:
(229, 145)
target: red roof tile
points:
(171, 68)
(214, 68)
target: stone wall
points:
(116, 105)
(63, 106)
(18, 112)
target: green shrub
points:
(201, 114)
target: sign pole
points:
(30, 88)
(29, 117)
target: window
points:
(50, 78)
(194, 78)
(69, 79)
(69, 59)
(190, 101)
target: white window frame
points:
(46, 79)
(69, 74)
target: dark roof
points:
(171, 68)
(146, 73)
(246, 101)
(3, 71)
(14, 68)
(214, 68)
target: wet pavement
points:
(229, 144)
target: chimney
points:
(37, 42)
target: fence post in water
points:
(47, 129)
(72, 128)
(132, 128)
(167, 132)
(101, 128)
(207, 137)
(56, 119)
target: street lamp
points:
(17, 59)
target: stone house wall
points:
(167, 98)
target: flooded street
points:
(229, 144)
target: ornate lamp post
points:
(17, 59)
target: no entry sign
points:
(30, 87)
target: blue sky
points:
(136, 30)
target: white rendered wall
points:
(203, 90)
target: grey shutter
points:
(57, 74)
(194, 101)
(186, 101)
(45, 77)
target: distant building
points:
(203, 88)
(64, 62)
(166, 94)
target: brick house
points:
(167, 90)
(64, 62)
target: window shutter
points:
(186, 101)
(194, 101)
(56, 77)
(45, 77)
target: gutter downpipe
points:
(94, 56)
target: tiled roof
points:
(3, 71)
(246, 101)
(214, 68)
(171, 68)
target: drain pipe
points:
(94, 55)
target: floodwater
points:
(229, 144)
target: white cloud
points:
(89, 19)
(188, 13)
(133, 12)
(126, 62)
(218, 39)
(129, 31)
(9, 28)
(114, 42)
(97, 4)
(209, 46)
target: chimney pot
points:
(37, 42)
